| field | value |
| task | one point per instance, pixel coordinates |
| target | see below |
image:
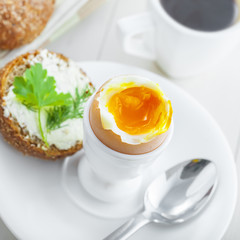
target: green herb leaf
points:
(59, 114)
(36, 90)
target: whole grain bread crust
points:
(21, 21)
(11, 130)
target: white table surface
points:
(218, 90)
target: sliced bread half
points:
(19, 123)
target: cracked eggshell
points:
(112, 140)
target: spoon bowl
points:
(188, 188)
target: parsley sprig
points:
(37, 91)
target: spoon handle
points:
(128, 228)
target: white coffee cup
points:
(178, 50)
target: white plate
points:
(34, 205)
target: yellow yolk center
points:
(136, 110)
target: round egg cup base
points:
(107, 190)
(76, 192)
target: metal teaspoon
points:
(188, 188)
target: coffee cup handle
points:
(136, 32)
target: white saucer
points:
(34, 205)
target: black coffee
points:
(204, 15)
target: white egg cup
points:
(108, 175)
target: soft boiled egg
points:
(130, 114)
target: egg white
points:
(119, 84)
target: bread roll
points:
(14, 127)
(21, 21)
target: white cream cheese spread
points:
(68, 77)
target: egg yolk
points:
(136, 110)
